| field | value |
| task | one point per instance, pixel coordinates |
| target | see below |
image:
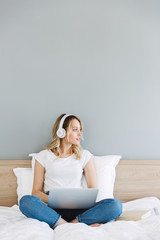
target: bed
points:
(136, 184)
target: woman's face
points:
(75, 134)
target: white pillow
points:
(142, 204)
(24, 181)
(105, 168)
(106, 173)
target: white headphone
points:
(61, 132)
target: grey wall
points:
(99, 60)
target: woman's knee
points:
(27, 201)
(27, 198)
(115, 205)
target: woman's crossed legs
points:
(102, 212)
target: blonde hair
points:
(56, 141)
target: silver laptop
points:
(72, 198)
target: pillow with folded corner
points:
(106, 173)
(24, 181)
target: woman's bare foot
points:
(92, 225)
(95, 224)
(74, 221)
(60, 222)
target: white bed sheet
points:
(14, 225)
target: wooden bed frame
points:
(134, 179)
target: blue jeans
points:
(102, 212)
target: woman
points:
(62, 165)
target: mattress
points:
(14, 225)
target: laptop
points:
(72, 198)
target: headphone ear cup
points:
(61, 133)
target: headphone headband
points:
(63, 119)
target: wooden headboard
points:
(134, 179)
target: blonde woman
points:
(62, 165)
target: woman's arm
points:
(38, 182)
(90, 174)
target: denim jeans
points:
(102, 212)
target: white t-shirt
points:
(62, 172)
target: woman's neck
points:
(65, 148)
(65, 151)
